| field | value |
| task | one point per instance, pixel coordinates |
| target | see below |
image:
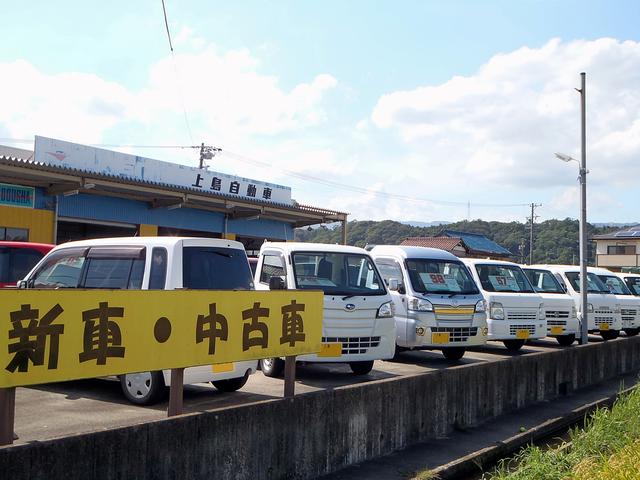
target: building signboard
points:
(17, 195)
(59, 153)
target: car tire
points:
(398, 351)
(513, 345)
(272, 367)
(145, 388)
(609, 334)
(361, 368)
(566, 340)
(632, 332)
(231, 384)
(453, 353)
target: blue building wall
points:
(115, 209)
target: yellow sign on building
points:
(57, 335)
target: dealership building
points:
(63, 191)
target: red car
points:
(18, 258)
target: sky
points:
(404, 110)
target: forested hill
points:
(555, 241)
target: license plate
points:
(557, 330)
(522, 334)
(438, 338)
(222, 367)
(604, 326)
(330, 350)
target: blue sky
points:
(449, 101)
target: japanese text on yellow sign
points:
(56, 335)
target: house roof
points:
(632, 233)
(477, 243)
(443, 243)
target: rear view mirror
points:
(277, 283)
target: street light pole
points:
(584, 331)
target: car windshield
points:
(543, 281)
(634, 284)
(615, 285)
(215, 268)
(440, 276)
(503, 278)
(334, 273)
(15, 263)
(594, 284)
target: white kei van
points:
(629, 304)
(358, 325)
(603, 316)
(153, 263)
(632, 280)
(437, 303)
(559, 308)
(516, 311)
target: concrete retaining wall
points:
(317, 433)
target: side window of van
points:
(61, 269)
(272, 266)
(390, 269)
(158, 273)
(114, 267)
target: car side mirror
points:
(277, 283)
(394, 284)
(22, 284)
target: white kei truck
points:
(358, 325)
(516, 311)
(629, 303)
(603, 314)
(559, 308)
(632, 280)
(437, 303)
(153, 263)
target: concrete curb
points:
(476, 462)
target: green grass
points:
(607, 443)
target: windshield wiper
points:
(346, 297)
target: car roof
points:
(488, 261)
(406, 251)
(560, 268)
(41, 247)
(600, 271)
(153, 241)
(313, 247)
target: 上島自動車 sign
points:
(57, 335)
(16, 195)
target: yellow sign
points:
(57, 335)
(331, 350)
(438, 338)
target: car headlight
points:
(590, 307)
(385, 310)
(616, 309)
(574, 312)
(481, 306)
(541, 315)
(496, 311)
(420, 305)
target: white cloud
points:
(501, 125)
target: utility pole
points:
(207, 153)
(583, 213)
(532, 220)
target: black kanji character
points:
(251, 190)
(216, 327)
(254, 314)
(266, 193)
(216, 184)
(102, 337)
(234, 187)
(292, 323)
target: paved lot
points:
(61, 409)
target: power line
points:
(315, 179)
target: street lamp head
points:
(565, 158)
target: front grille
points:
(557, 323)
(629, 315)
(525, 316)
(351, 345)
(550, 314)
(600, 320)
(514, 328)
(457, 334)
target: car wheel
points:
(631, 332)
(361, 368)
(513, 345)
(453, 353)
(609, 334)
(398, 351)
(272, 367)
(566, 340)
(231, 384)
(145, 388)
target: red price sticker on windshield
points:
(437, 278)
